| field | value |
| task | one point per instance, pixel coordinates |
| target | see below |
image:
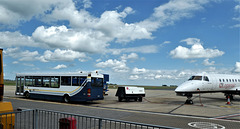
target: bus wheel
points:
(140, 99)
(66, 98)
(27, 95)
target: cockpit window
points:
(195, 78)
(206, 78)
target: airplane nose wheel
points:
(189, 100)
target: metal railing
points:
(46, 119)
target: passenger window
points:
(220, 80)
(37, 81)
(46, 81)
(227, 80)
(223, 80)
(66, 81)
(232, 80)
(75, 81)
(55, 82)
(235, 80)
(28, 81)
(238, 80)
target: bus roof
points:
(93, 74)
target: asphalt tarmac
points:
(159, 107)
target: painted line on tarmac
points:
(228, 116)
(125, 110)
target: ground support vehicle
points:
(127, 93)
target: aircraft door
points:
(207, 84)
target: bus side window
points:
(46, 81)
(75, 81)
(82, 79)
(55, 83)
(97, 82)
(37, 81)
(66, 80)
(28, 81)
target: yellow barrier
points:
(6, 121)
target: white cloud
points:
(237, 13)
(62, 55)
(17, 53)
(237, 67)
(134, 77)
(140, 49)
(116, 65)
(191, 41)
(16, 39)
(64, 38)
(139, 71)
(132, 56)
(61, 66)
(87, 4)
(196, 51)
(14, 12)
(169, 13)
(207, 63)
(89, 33)
(15, 62)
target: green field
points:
(110, 86)
(9, 82)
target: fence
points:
(45, 119)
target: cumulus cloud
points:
(96, 31)
(16, 39)
(116, 65)
(140, 49)
(61, 66)
(132, 56)
(134, 77)
(169, 13)
(139, 71)
(196, 50)
(62, 55)
(64, 38)
(17, 53)
(237, 67)
(207, 63)
(14, 12)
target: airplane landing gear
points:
(189, 99)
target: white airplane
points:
(209, 83)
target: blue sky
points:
(144, 42)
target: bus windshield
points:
(195, 78)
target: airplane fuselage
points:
(207, 83)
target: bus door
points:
(20, 85)
(97, 87)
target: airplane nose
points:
(179, 88)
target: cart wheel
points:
(120, 99)
(140, 99)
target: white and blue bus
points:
(62, 87)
